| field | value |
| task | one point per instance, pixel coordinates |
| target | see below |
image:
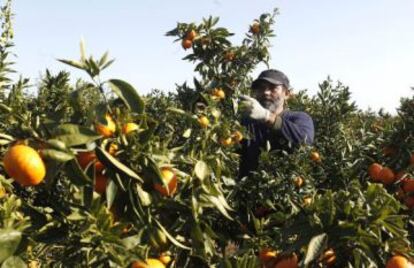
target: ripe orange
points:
(409, 201)
(374, 171)
(328, 257)
(107, 130)
(226, 141)
(255, 28)
(408, 185)
(3, 191)
(186, 44)
(24, 165)
(288, 262)
(100, 183)
(298, 181)
(267, 254)
(149, 263)
(165, 258)
(84, 158)
(168, 176)
(237, 136)
(397, 262)
(203, 121)
(129, 127)
(387, 176)
(229, 56)
(315, 157)
(191, 35)
(113, 148)
(218, 94)
(307, 201)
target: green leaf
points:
(73, 63)
(170, 237)
(217, 202)
(73, 135)
(128, 94)
(14, 262)
(9, 241)
(315, 247)
(201, 170)
(144, 197)
(111, 191)
(82, 50)
(57, 155)
(113, 163)
(187, 133)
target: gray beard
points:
(271, 105)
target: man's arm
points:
(296, 127)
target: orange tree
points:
(152, 180)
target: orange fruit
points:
(169, 178)
(149, 263)
(218, 94)
(267, 254)
(387, 176)
(307, 201)
(186, 44)
(113, 148)
(165, 258)
(191, 35)
(408, 185)
(328, 257)
(107, 130)
(315, 157)
(3, 191)
(100, 183)
(84, 158)
(397, 262)
(288, 262)
(226, 141)
(203, 121)
(237, 136)
(129, 127)
(374, 171)
(229, 56)
(24, 165)
(298, 181)
(255, 28)
(409, 201)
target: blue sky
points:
(368, 45)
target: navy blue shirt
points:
(289, 131)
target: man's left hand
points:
(254, 109)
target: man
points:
(268, 121)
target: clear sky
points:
(368, 45)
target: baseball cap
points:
(272, 76)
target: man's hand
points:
(254, 109)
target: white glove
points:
(254, 109)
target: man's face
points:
(269, 95)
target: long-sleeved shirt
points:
(289, 130)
